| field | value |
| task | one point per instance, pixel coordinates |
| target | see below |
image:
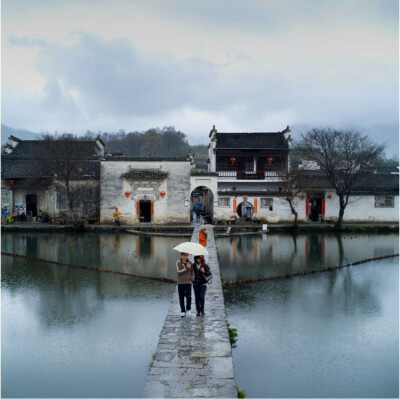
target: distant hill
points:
(22, 134)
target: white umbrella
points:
(211, 226)
(192, 248)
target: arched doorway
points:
(202, 205)
(245, 210)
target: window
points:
(225, 202)
(266, 202)
(384, 201)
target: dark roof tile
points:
(275, 141)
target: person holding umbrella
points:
(185, 279)
(201, 272)
(186, 273)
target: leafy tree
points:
(345, 156)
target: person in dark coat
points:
(201, 272)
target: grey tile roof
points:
(30, 149)
(275, 141)
(372, 183)
(28, 159)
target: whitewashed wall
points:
(280, 209)
(174, 207)
(362, 209)
(359, 209)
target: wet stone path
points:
(194, 355)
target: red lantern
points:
(233, 160)
(269, 160)
(162, 193)
(127, 193)
(245, 196)
(12, 181)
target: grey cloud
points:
(26, 41)
(111, 77)
(281, 15)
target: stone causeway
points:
(194, 354)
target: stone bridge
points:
(194, 355)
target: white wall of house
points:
(174, 207)
(261, 206)
(362, 209)
(359, 209)
(44, 199)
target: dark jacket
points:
(199, 276)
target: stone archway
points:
(202, 205)
(245, 210)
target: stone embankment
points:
(194, 355)
(220, 230)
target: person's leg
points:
(202, 296)
(196, 289)
(181, 292)
(188, 296)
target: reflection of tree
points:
(351, 293)
(341, 257)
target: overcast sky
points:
(243, 65)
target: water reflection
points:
(327, 335)
(254, 257)
(138, 255)
(62, 328)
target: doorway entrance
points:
(202, 205)
(31, 205)
(245, 210)
(315, 207)
(145, 211)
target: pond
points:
(332, 334)
(260, 257)
(70, 332)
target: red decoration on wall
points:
(269, 160)
(127, 193)
(162, 193)
(233, 160)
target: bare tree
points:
(291, 186)
(346, 156)
(68, 160)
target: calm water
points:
(333, 334)
(75, 333)
(252, 257)
(139, 255)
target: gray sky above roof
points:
(243, 65)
